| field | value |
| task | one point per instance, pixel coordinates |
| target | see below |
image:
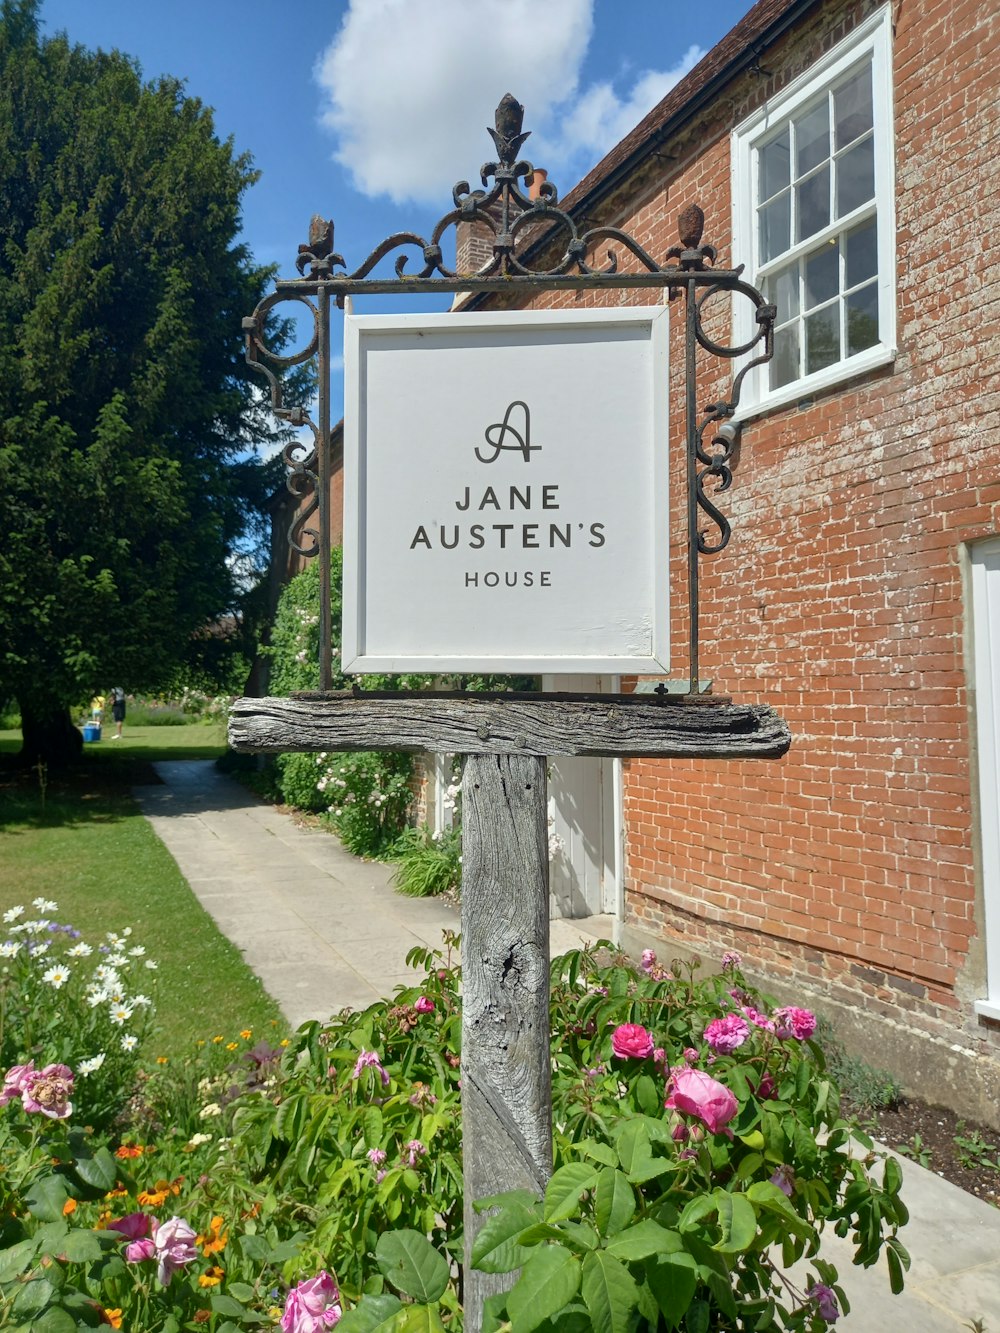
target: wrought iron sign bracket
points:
(522, 226)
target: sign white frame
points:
(394, 387)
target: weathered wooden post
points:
(480, 534)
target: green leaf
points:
(372, 1126)
(255, 1248)
(240, 1291)
(549, 1280)
(636, 1154)
(371, 1313)
(412, 1264)
(524, 1197)
(893, 1179)
(600, 1152)
(494, 1312)
(17, 1259)
(418, 1319)
(99, 1170)
(673, 1280)
(895, 1272)
(698, 1317)
(737, 1220)
(495, 1249)
(562, 1195)
(648, 1095)
(644, 1239)
(614, 1202)
(610, 1292)
(54, 1320)
(46, 1198)
(82, 1247)
(33, 1297)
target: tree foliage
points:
(125, 406)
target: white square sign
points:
(505, 492)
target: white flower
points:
(213, 1108)
(196, 1140)
(120, 1014)
(129, 1043)
(137, 951)
(45, 905)
(34, 927)
(107, 976)
(127, 931)
(12, 914)
(90, 1066)
(150, 964)
(96, 996)
(141, 1002)
(43, 947)
(80, 950)
(9, 948)
(56, 976)
(117, 960)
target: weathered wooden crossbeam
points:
(624, 725)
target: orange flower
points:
(128, 1150)
(246, 1034)
(160, 1192)
(214, 1238)
(69, 1207)
(112, 1317)
(252, 1211)
(203, 1316)
(102, 1221)
(211, 1278)
(162, 1060)
(119, 1192)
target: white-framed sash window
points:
(814, 219)
(984, 569)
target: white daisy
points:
(141, 1001)
(12, 914)
(120, 1014)
(117, 960)
(90, 1066)
(45, 905)
(137, 952)
(196, 1140)
(107, 976)
(56, 976)
(150, 964)
(80, 950)
(41, 948)
(129, 1043)
(9, 948)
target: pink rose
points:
(691, 1056)
(695, 1093)
(133, 1226)
(725, 1034)
(424, 1005)
(648, 959)
(48, 1091)
(312, 1306)
(631, 1041)
(13, 1081)
(759, 1020)
(792, 1022)
(138, 1251)
(370, 1060)
(174, 1243)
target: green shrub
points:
(341, 1154)
(429, 863)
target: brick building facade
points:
(854, 873)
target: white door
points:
(583, 817)
(986, 696)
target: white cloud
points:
(408, 96)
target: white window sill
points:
(987, 1009)
(804, 389)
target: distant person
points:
(97, 708)
(118, 711)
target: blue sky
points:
(369, 111)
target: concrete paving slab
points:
(324, 930)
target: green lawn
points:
(88, 848)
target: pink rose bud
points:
(694, 1092)
(424, 1005)
(792, 1022)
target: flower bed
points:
(698, 1148)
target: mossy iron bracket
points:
(526, 230)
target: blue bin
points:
(91, 731)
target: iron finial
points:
(690, 226)
(507, 136)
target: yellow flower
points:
(211, 1278)
(284, 1042)
(113, 1317)
(214, 1238)
(216, 1040)
(246, 1034)
(162, 1060)
(232, 1046)
(160, 1192)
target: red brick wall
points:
(849, 864)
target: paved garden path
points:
(322, 930)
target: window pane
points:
(775, 165)
(782, 290)
(861, 251)
(852, 108)
(862, 319)
(822, 338)
(812, 139)
(856, 177)
(812, 203)
(823, 275)
(775, 228)
(784, 365)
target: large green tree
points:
(125, 406)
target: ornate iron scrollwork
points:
(526, 228)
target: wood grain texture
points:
(506, 1082)
(625, 725)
